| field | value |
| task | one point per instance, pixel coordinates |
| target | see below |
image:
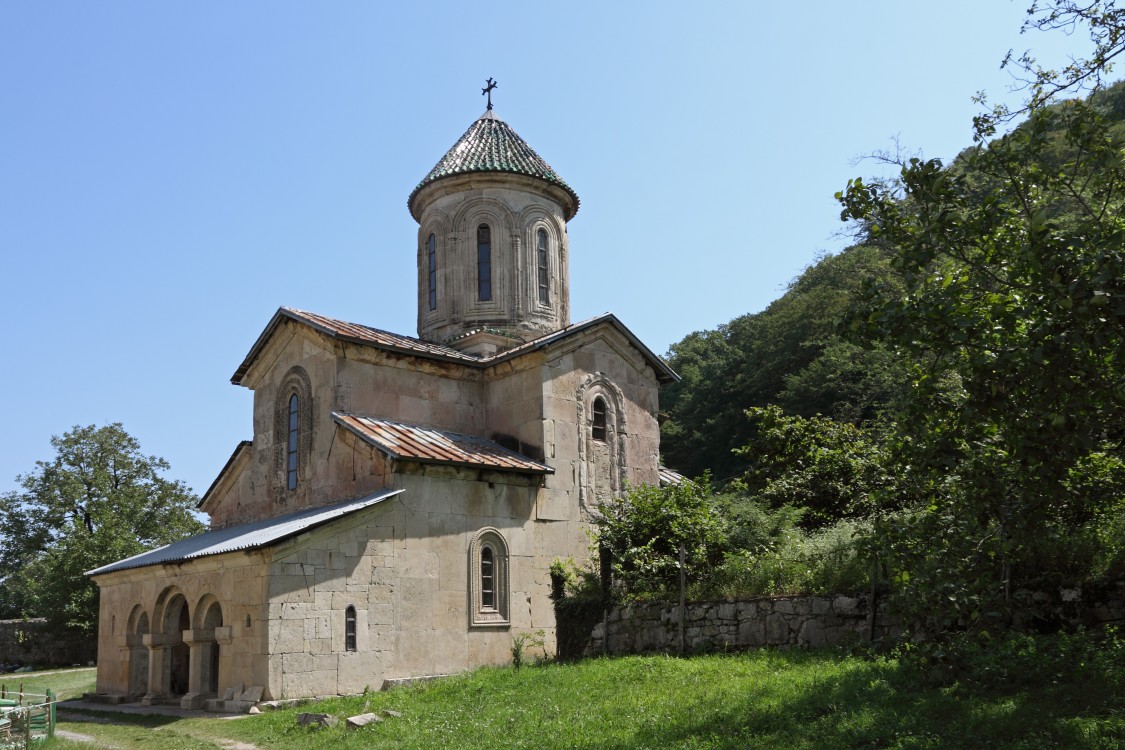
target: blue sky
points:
(171, 173)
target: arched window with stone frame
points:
(488, 579)
(293, 428)
(484, 263)
(601, 441)
(543, 266)
(431, 276)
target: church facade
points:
(402, 499)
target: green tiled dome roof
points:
(490, 145)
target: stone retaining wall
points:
(31, 643)
(803, 621)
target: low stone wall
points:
(803, 621)
(31, 643)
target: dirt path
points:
(66, 734)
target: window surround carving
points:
(488, 542)
(598, 385)
(295, 383)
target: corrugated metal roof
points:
(427, 445)
(245, 536)
(490, 145)
(667, 476)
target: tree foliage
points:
(831, 469)
(99, 499)
(789, 355)
(1013, 289)
(643, 532)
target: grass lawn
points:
(67, 683)
(762, 699)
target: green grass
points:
(66, 683)
(764, 699)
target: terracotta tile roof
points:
(365, 335)
(354, 333)
(490, 145)
(245, 536)
(427, 445)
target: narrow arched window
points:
(544, 288)
(487, 579)
(597, 424)
(291, 448)
(484, 263)
(431, 249)
(349, 628)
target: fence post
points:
(51, 700)
(683, 601)
(874, 593)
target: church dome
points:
(490, 145)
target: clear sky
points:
(172, 172)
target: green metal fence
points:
(25, 717)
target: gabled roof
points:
(366, 336)
(238, 449)
(353, 333)
(245, 536)
(429, 446)
(490, 145)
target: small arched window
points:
(544, 283)
(431, 250)
(597, 423)
(291, 446)
(488, 579)
(484, 263)
(349, 628)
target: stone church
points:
(401, 502)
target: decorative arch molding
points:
(295, 382)
(489, 595)
(469, 213)
(591, 387)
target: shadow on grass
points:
(881, 705)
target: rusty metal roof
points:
(245, 536)
(430, 446)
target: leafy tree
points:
(644, 531)
(98, 500)
(1013, 276)
(831, 469)
(790, 354)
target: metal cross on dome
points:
(488, 90)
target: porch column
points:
(157, 674)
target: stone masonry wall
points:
(810, 622)
(805, 621)
(32, 643)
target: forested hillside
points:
(804, 352)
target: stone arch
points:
(171, 617)
(295, 382)
(439, 225)
(601, 465)
(136, 629)
(208, 619)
